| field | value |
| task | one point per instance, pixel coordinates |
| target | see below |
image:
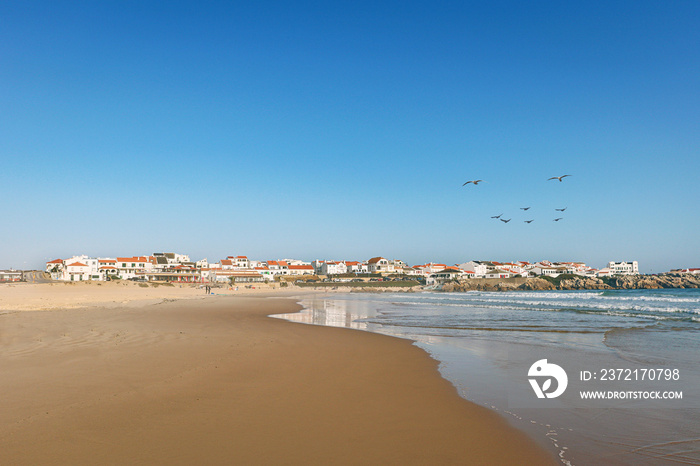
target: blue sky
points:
(344, 130)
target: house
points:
(265, 272)
(89, 272)
(240, 262)
(296, 262)
(356, 267)
(171, 258)
(226, 264)
(693, 271)
(333, 268)
(107, 268)
(54, 266)
(429, 268)
(305, 269)
(127, 267)
(478, 267)
(550, 271)
(513, 268)
(10, 275)
(379, 265)
(498, 273)
(277, 267)
(445, 275)
(77, 272)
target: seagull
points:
(497, 216)
(561, 210)
(476, 182)
(557, 177)
(557, 219)
(524, 208)
(505, 221)
(529, 221)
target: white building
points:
(380, 265)
(240, 262)
(55, 266)
(301, 269)
(333, 268)
(170, 258)
(624, 268)
(695, 271)
(550, 271)
(77, 272)
(10, 275)
(107, 268)
(129, 267)
(443, 276)
(498, 273)
(430, 268)
(479, 268)
(356, 267)
(237, 276)
(278, 267)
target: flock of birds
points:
(504, 220)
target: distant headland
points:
(575, 282)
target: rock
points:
(627, 282)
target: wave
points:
(542, 305)
(523, 328)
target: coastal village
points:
(173, 267)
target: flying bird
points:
(497, 216)
(561, 210)
(529, 221)
(557, 219)
(557, 177)
(505, 221)
(524, 208)
(476, 182)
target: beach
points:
(169, 375)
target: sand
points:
(213, 380)
(72, 295)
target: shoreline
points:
(487, 367)
(217, 380)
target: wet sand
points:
(215, 381)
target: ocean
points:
(630, 392)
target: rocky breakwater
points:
(574, 282)
(666, 280)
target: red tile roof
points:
(77, 264)
(56, 261)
